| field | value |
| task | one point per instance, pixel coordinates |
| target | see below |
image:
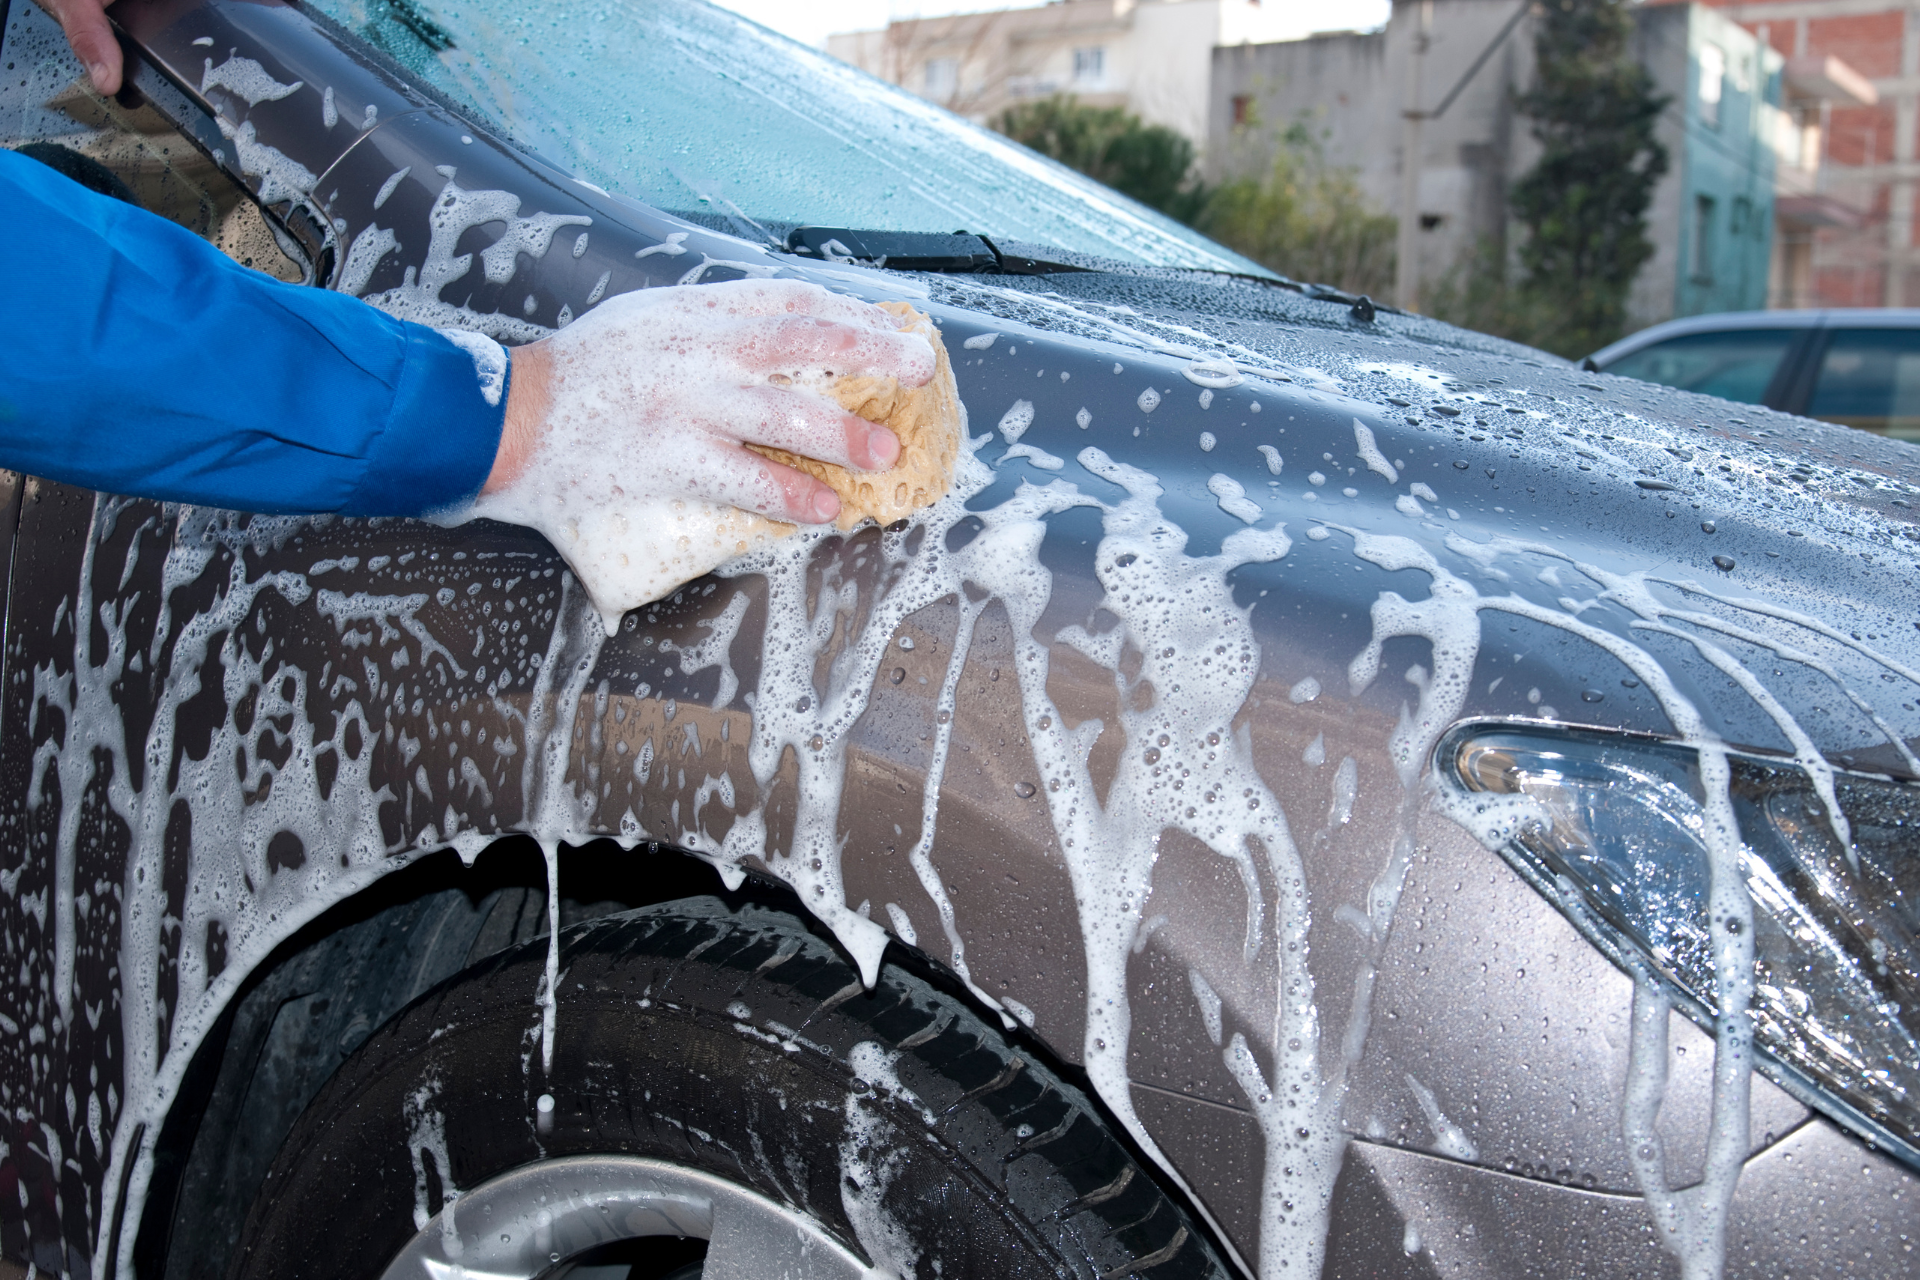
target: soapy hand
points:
(656, 390)
(85, 22)
(625, 431)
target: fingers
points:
(736, 477)
(809, 348)
(85, 22)
(808, 425)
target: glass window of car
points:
(696, 110)
(1733, 366)
(48, 110)
(1870, 378)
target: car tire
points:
(731, 1043)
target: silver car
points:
(1326, 794)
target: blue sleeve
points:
(138, 359)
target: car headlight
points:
(1610, 830)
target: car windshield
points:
(698, 111)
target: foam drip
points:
(1694, 1227)
(298, 829)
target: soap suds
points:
(1209, 1002)
(1015, 421)
(871, 1154)
(1370, 453)
(1449, 1139)
(246, 79)
(1233, 498)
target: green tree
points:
(1584, 204)
(1305, 218)
(1150, 162)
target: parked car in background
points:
(1857, 367)
(1327, 794)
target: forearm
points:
(138, 359)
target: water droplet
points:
(1592, 695)
(817, 742)
(544, 1104)
(1046, 722)
(1723, 563)
(1024, 790)
(900, 673)
(1706, 526)
(1153, 755)
(906, 642)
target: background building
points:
(1153, 57)
(1460, 63)
(1847, 230)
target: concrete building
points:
(1458, 64)
(1848, 235)
(1153, 57)
(1350, 91)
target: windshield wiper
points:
(961, 251)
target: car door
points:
(1867, 377)
(1751, 366)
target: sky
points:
(812, 21)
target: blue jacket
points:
(138, 359)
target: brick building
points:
(1853, 242)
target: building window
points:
(1090, 65)
(1740, 217)
(940, 77)
(1242, 109)
(1713, 83)
(1703, 239)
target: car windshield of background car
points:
(1733, 366)
(699, 112)
(1870, 378)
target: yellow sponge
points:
(927, 421)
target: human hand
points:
(624, 431)
(85, 22)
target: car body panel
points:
(177, 680)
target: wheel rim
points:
(523, 1223)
